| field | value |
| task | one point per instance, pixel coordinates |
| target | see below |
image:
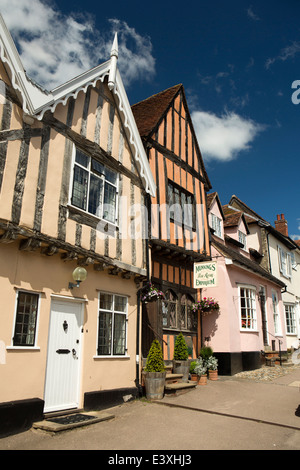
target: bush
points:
(206, 352)
(200, 368)
(155, 361)
(212, 363)
(180, 349)
(192, 367)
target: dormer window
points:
(94, 187)
(242, 239)
(216, 225)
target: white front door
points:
(63, 360)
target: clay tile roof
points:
(148, 113)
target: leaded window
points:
(176, 312)
(112, 325)
(95, 187)
(26, 319)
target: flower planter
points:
(203, 380)
(155, 385)
(194, 378)
(213, 375)
(182, 367)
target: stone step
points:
(179, 388)
(65, 422)
(173, 378)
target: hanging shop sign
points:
(205, 274)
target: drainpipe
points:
(138, 320)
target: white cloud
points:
(223, 138)
(286, 53)
(251, 14)
(55, 47)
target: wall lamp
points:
(79, 274)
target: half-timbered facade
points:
(71, 165)
(179, 230)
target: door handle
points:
(74, 352)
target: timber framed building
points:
(71, 161)
(179, 233)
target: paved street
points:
(244, 412)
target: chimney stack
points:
(281, 225)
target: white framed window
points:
(94, 187)
(216, 225)
(276, 317)
(290, 319)
(26, 319)
(242, 239)
(285, 262)
(112, 325)
(247, 298)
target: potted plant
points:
(155, 372)
(206, 352)
(194, 376)
(200, 369)
(180, 359)
(205, 306)
(212, 366)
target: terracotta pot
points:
(194, 377)
(213, 375)
(203, 380)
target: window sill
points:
(23, 348)
(111, 357)
(86, 218)
(245, 330)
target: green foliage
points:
(200, 367)
(206, 352)
(212, 363)
(155, 361)
(180, 349)
(192, 367)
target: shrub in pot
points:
(155, 372)
(180, 359)
(200, 369)
(212, 366)
(194, 376)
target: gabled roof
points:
(244, 262)
(35, 101)
(253, 217)
(150, 112)
(211, 197)
(233, 217)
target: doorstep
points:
(73, 420)
(179, 388)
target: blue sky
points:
(237, 61)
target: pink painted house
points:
(250, 298)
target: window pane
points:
(120, 303)
(81, 158)
(106, 302)
(97, 167)
(109, 209)
(95, 195)
(26, 317)
(119, 334)
(105, 333)
(110, 176)
(80, 184)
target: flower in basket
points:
(207, 304)
(152, 294)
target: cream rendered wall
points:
(22, 373)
